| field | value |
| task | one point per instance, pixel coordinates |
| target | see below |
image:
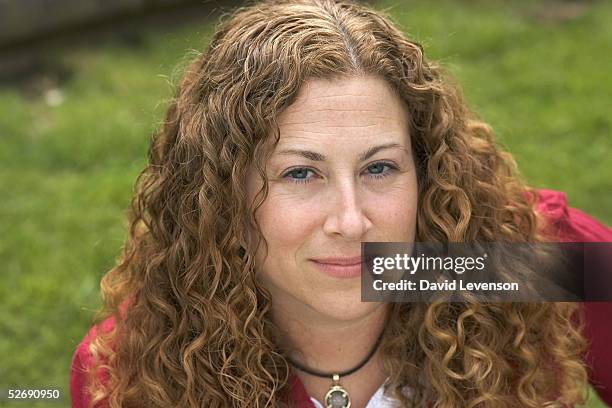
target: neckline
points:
(377, 400)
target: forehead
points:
(351, 107)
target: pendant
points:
(337, 397)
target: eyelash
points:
(378, 176)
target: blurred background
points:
(84, 83)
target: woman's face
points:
(342, 173)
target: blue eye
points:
(377, 169)
(298, 175)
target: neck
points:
(326, 344)
(329, 345)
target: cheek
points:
(396, 211)
(286, 224)
(283, 217)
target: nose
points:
(346, 216)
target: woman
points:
(305, 128)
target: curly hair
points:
(197, 330)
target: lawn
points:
(70, 151)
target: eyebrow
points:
(314, 156)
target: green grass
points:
(67, 171)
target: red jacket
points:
(569, 224)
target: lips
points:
(340, 267)
(340, 261)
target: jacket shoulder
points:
(569, 224)
(82, 361)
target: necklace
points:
(337, 396)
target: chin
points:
(342, 306)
